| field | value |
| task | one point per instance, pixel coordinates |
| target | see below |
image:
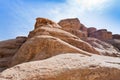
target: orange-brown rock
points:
(101, 34)
(42, 47)
(70, 24)
(7, 50)
(45, 22)
(44, 42)
(10, 47)
(74, 26)
(66, 67)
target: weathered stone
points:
(10, 47)
(101, 34)
(74, 26)
(91, 30)
(115, 43)
(70, 24)
(66, 67)
(116, 36)
(42, 47)
(45, 22)
(103, 47)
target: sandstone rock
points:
(66, 67)
(103, 47)
(45, 22)
(116, 36)
(42, 47)
(10, 47)
(74, 26)
(7, 50)
(70, 23)
(101, 34)
(83, 28)
(63, 35)
(44, 42)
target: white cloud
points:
(76, 8)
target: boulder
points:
(66, 67)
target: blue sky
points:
(17, 17)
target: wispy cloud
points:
(77, 8)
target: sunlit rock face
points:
(66, 67)
(74, 26)
(67, 50)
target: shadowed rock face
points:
(66, 67)
(115, 43)
(116, 36)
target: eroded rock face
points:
(45, 22)
(66, 67)
(70, 23)
(42, 47)
(74, 26)
(7, 50)
(91, 31)
(46, 41)
(116, 36)
(103, 47)
(101, 34)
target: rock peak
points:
(40, 22)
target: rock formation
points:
(64, 51)
(74, 26)
(116, 36)
(46, 41)
(66, 67)
(101, 34)
(103, 47)
(7, 50)
(115, 43)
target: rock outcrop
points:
(66, 67)
(103, 47)
(115, 43)
(116, 36)
(74, 26)
(7, 50)
(64, 51)
(46, 41)
(101, 34)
